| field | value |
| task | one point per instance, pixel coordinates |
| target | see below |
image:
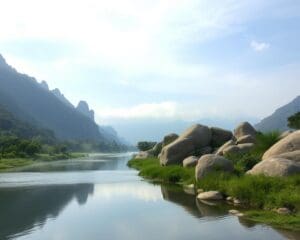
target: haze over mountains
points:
(33, 102)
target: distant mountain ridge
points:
(34, 103)
(278, 120)
(29, 101)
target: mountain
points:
(61, 97)
(278, 120)
(10, 125)
(83, 108)
(32, 102)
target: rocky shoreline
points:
(219, 152)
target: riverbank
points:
(9, 163)
(261, 194)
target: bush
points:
(144, 146)
(244, 162)
(294, 121)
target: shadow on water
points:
(22, 209)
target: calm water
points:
(100, 198)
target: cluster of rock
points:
(206, 148)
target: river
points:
(99, 197)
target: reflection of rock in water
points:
(176, 195)
(215, 209)
(191, 204)
(22, 208)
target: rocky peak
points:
(61, 97)
(83, 107)
(44, 85)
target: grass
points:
(8, 163)
(151, 169)
(15, 162)
(257, 192)
(290, 222)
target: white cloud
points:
(259, 46)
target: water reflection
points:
(112, 203)
(23, 209)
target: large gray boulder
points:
(195, 137)
(211, 162)
(275, 167)
(288, 144)
(224, 146)
(190, 161)
(219, 136)
(243, 129)
(238, 149)
(169, 139)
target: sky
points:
(159, 59)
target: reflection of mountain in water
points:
(21, 209)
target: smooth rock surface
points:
(211, 162)
(288, 144)
(275, 167)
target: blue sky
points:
(167, 59)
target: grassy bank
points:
(8, 163)
(257, 192)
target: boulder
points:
(278, 167)
(190, 161)
(210, 195)
(211, 162)
(238, 149)
(169, 139)
(224, 146)
(219, 136)
(294, 156)
(285, 134)
(246, 139)
(243, 129)
(290, 143)
(176, 152)
(143, 155)
(197, 136)
(203, 151)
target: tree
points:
(144, 146)
(294, 121)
